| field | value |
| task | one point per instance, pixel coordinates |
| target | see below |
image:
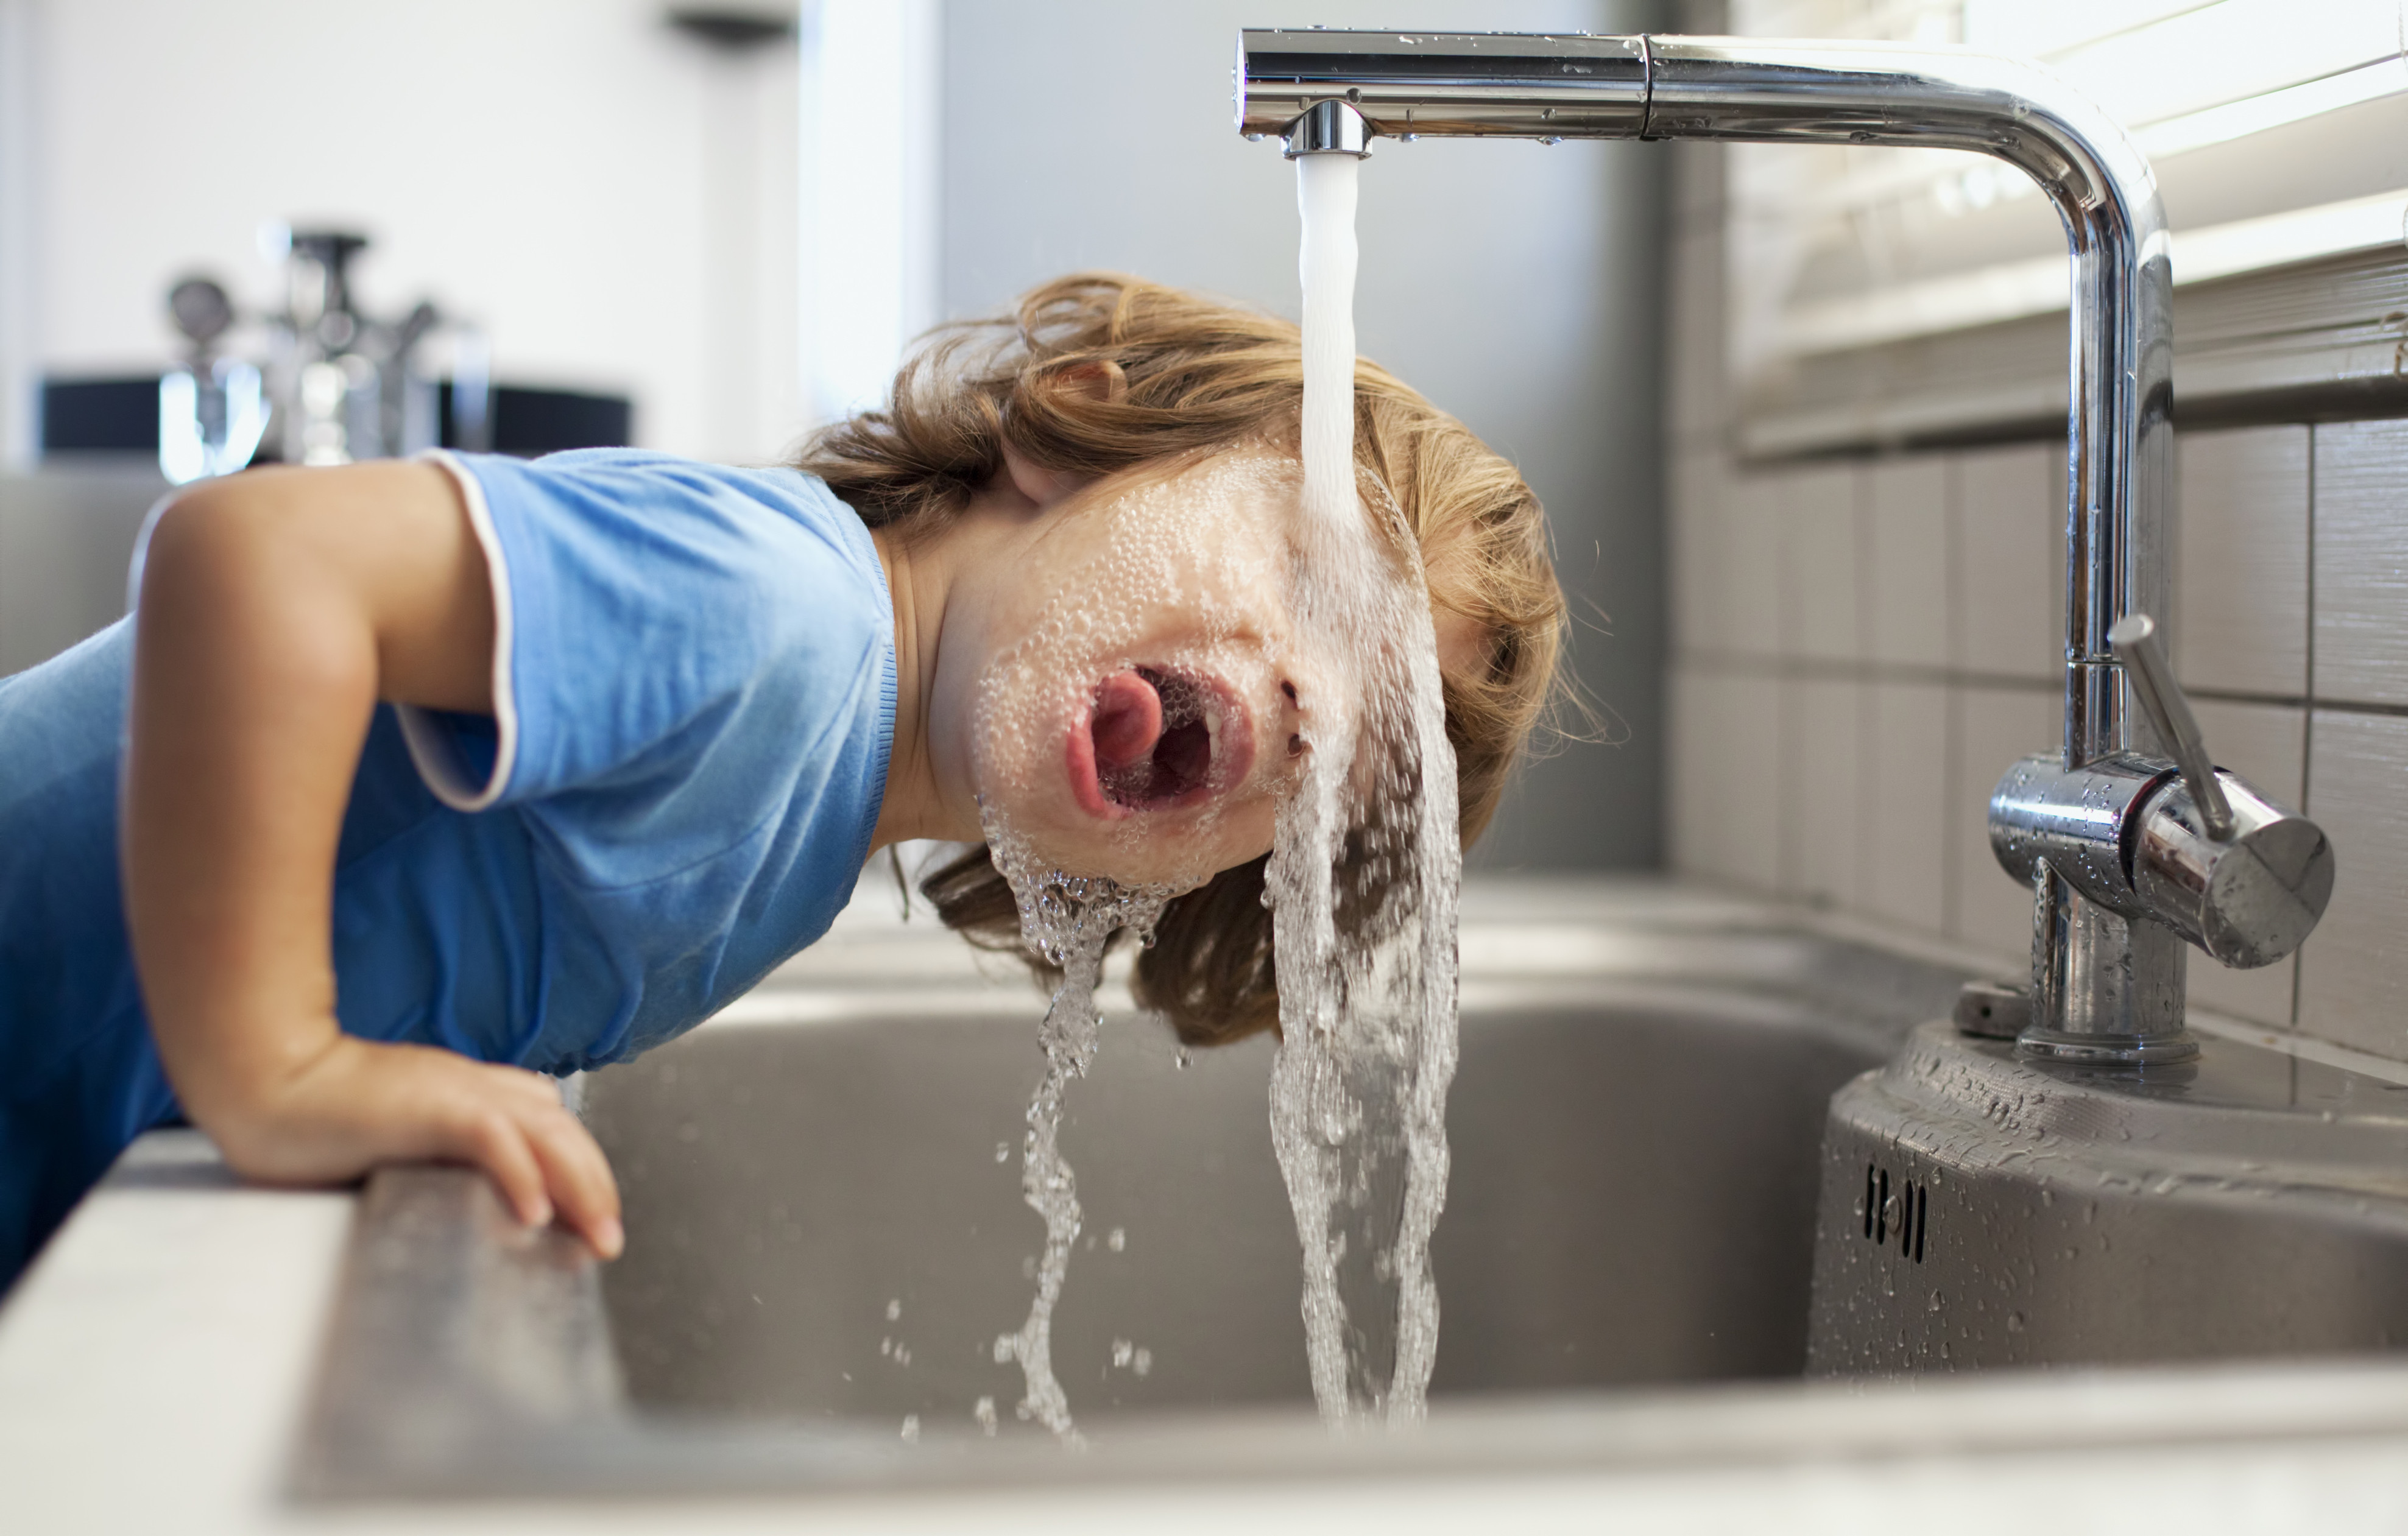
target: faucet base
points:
(1981, 1209)
(2108, 1050)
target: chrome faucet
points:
(2128, 851)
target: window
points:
(1882, 296)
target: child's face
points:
(1125, 678)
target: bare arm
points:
(277, 607)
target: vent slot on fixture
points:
(1894, 1211)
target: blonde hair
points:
(1186, 375)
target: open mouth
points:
(1154, 739)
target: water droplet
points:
(1117, 1239)
(984, 1414)
(894, 1308)
(911, 1429)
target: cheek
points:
(1244, 833)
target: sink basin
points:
(827, 1234)
(826, 1221)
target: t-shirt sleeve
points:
(645, 607)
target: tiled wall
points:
(1862, 647)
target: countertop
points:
(155, 1361)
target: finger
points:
(493, 1141)
(526, 1088)
(578, 1176)
(578, 1172)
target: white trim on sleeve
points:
(430, 746)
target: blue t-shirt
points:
(694, 702)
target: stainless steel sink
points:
(825, 1230)
(827, 1221)
(1657, 1088)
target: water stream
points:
(1364, 880)
(1069, 920)
(1363, 883)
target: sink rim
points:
(548, 1424)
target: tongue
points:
(1127, 722)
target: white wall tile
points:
(1992, 730)
(2361, 559)
(2010, 552)
(2240, 604)
(1725, 776)
(1700, 481)
(1906, 561)
(1699, 406)
(1822, 788)
(1903, 876)
(1751, 568)
(1697, 184)
(1688, 800)
(2353, 968)
(1821, 561)
(2265, 744)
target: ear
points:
(1040, 484)
(1099, 381)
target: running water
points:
(1363, 882)
(1069, 920)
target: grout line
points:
(1865, 866)
(1813, 669)
(1840, 671)
(2308, 724)
(1952, 764)
(2299, 1047)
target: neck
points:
(916, 580)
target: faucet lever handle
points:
(2136, 643)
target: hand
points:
(357, 1103)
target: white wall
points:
(613, 199)
(1516, 284)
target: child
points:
(410, 783)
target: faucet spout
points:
(2093, 973)
(1328, 127)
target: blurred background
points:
(707, 228)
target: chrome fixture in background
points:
(213, 411)
(339, 385)
(2120, 846)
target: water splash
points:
(1069, 920)
(1363, 882)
